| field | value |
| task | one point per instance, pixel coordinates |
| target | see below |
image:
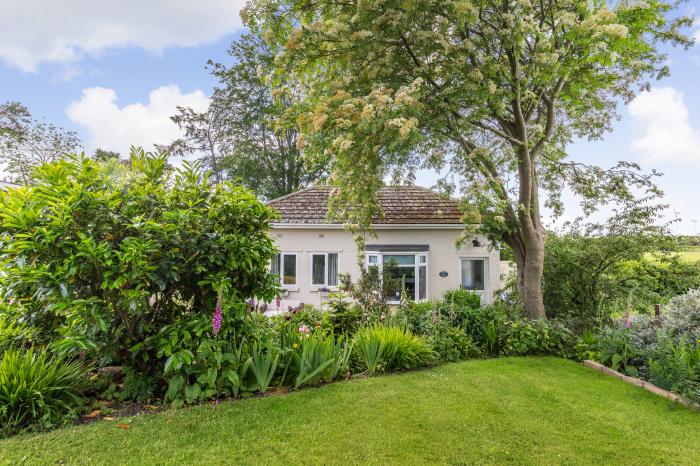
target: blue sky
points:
(115, 73)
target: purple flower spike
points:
(216, 320)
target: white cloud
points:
(115, 128)
(40, 31)
(664, 127)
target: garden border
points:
(648, 386)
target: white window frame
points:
(416, 264)
(317, 286)
(487, 283)
(288, 286)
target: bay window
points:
(408, 272)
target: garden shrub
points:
(462, 298)
(591, 276)
(38, 391)
(617, 350)
(14, 332)
(675, 366)
(321, 358)
(452, 344)
(380, 348)
(682, 316)
(522, 337)
(105, 256)
(203, 362)
(344, 317)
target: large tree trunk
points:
(530, 261)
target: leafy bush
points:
(14, 333)
(523, 337)
(682, 316)
(617, 350)
(201, 364)
(594, 273)
(108, 255)
(462, 298)
(37, 390)
(345, 317)
(452, 343)
(380, 348)
(676, 366)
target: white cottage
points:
(416, 236)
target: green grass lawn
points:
(690, 253)
(511, 410)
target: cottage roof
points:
(403, 205)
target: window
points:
(408, 272)
(473, 273)
(324, 269)
(286, 263)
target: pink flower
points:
(628, 320)
(216, 320)
(278, 302)
(304, 329)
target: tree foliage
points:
(493, 89)
(625, 264)
(102, 255)
(26, 143)
(244, 134)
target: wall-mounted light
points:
(476, 243)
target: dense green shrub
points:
(452, 343)
(682, 316)
(14, 332)
(200, 364)
(617, 350)
(522, 337)
(380, 348)
(38, 391)
(462, 298)
(675, 366)
(345, 317)
(588, 277)
(103, 256)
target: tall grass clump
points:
(378, 348)
(38, 391)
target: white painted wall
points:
(442, 256)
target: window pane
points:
(473, 274)
(422, 272)
(401, 277)
(318, 269)
(372, 260)
(333, 269)
(290, 270)
(399, 259)
(275, 266)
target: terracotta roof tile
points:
(400, 205)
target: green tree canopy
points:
(244, 134)
(494, 90)
(26, 143)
